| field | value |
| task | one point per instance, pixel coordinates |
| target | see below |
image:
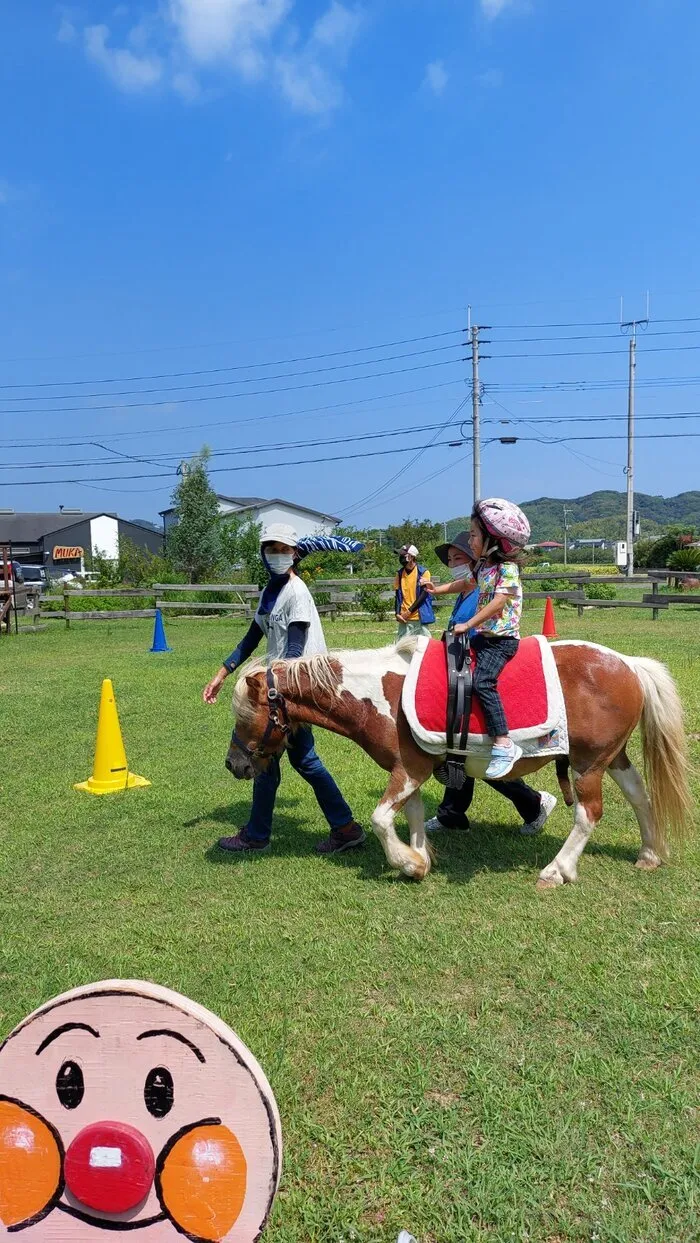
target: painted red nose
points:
(110, 1167)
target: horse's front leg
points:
(403, 791)
(588, 800)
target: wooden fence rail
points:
(343, 594)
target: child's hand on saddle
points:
(462, 628)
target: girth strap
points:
(459, 706)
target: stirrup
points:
(455, 776)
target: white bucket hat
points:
(279, 533)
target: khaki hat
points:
(279, 533)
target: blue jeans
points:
(303, 758)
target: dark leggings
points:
(492, 655)
(453, 809)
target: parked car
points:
(30, 574)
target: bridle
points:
(278, 718)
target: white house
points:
(304, 520)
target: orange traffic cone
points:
(549, 626)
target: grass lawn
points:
(466, 1058)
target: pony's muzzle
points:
(239, 766)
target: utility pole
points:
(630, 450)
(631, 325)
(566, 536)
(476, 414)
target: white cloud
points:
(181, 43)
(338, 26)
(126, 69)
(436, 77)
(216, 30)
(494, 8)
(66, 31)
(307, 86)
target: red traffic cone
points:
(549, 626)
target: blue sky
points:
(191, 185)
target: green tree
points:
(194, 543)
(240, 548)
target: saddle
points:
(459, 707)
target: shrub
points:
(600, 591)
(371, 602)
(687, 559)
(555, 584)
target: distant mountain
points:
(602, 515)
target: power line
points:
(382, 488)
(64, 441)
(280, 362)
(283, 375)
(287, 445)
(215, 345)
(184, 401)
(238, 451)
(285, 462)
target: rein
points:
(278, 718)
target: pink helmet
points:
(505, 521)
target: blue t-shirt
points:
(465, 607)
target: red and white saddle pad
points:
(529, 687)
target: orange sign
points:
(63, 552)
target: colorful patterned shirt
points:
(500, 579)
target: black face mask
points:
(403, 560)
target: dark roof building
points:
(62, 541)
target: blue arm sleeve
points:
(245, 648)
(296, 639)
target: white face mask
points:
(458, 571)
(279, 562)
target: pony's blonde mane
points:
(318, 668)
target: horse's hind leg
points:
(588, 797)
(626, 776)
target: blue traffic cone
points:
(160, 643)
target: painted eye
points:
(70, 1085)
(159, 1092)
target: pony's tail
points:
(665, 752)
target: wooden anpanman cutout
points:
(126, 1107)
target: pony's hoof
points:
(547, 884)
(417, 869)
(646, 863)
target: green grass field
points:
(466, 1058)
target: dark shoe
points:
(339, 840)
(241, 842)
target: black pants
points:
(453, 809)
(492, 655)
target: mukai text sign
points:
(67, 552)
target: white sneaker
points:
(547, 804)
(433, 824)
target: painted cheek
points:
(202, 1184)
(30, 1164)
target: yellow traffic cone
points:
(110, 772)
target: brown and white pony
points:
(357, 694)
